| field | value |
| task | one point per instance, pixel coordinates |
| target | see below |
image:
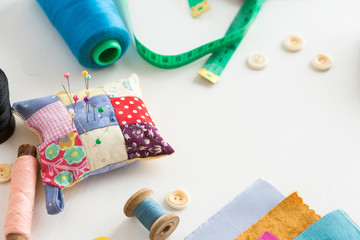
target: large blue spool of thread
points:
(93, 29)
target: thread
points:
(7, 120)
(22, 195)
(152, 216)
(92, 29)
(148, 211)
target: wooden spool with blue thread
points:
(157, 220)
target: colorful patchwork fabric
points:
(143, 140)
(115, 116)
(63, 161)
(130, 110)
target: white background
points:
(296, 127)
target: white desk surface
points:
(294, 126)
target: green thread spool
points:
(106, 52)
(157, 220)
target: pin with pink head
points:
(67, 76)
(76, 98)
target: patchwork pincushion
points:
(108, 130)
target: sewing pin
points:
(94, 106)
(86, 100)
(101, 110)
(84, 73)
(112, 119)
(67, 76)
(98, 141)
(67, 95)
(87, 77)
(72, 115)
(76, 98)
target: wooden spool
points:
(163, 227)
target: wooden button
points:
(257, 61)
(5, 172)
(293, 43)
(321, 62)
(177, 199)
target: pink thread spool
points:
(22, 195)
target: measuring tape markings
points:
(215, 65)
(198, 7)
(222, 48)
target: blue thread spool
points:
(157, 220)
(7, 120)
(93, 29)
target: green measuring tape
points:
(198, 7)
(222, 48)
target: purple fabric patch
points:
(268, 236)
(143, 140)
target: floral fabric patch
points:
(143, 140)
(63, 161)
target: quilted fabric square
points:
(63, 161)
(94, 141)
(51, 122)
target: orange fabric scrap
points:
(286, 220)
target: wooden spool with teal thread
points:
(156, 219)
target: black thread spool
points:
(7, 120)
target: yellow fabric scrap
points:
(286, 220)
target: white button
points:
(177, 199)
(321, 62)
(293, 43)
(257, 61)
(5, 172)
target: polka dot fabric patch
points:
(130, 110)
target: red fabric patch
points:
(130, 110)
(63, 161)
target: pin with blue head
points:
(112, 119)
(152, 216)
(87, 77)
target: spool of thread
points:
(93, 29)
(7, 120)
(22, 195)
(156, 219)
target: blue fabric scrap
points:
(101, 119)
(55, 202)
(240, 214)
(27, 108)
(335, 226)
